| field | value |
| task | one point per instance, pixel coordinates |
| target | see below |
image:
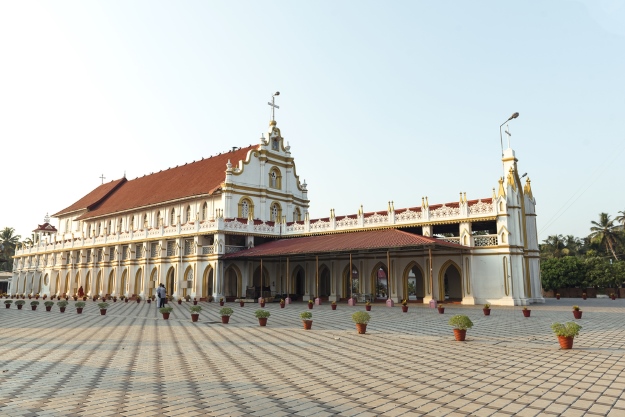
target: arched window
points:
(98, 230)
(172, 219)
(89, 230)
(159, 219)
(145, 221)
(275, 178)
(119, 225)
(188, 214)
(246, 208)
(67, 226)
(109, 231)
(297, 215)
(132, 222)
(275, 212)
(204, 211)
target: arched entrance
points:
(138, 288)
(232, 283)
(76, 282)
(324, 283)
(153, 283)
(169, 282)
(450, 282)
(207, 282)
(111, 286)
(88, 283)
(379, 279)
(57, 286)
(299, 283)
(414, 284)
(257, 282)
(123, 288)
(98, 284)
(188, 277)
(66, 284)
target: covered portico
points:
(376, 265)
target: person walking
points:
(160, 292)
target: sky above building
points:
(380, 101)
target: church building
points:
(237, 226)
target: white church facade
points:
(237, 226)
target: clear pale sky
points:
(379, 101)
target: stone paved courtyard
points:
(131, 362)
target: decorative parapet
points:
(485, 240)
(482, 208)
(444, 211)
(234, 249)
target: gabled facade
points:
(199, 229)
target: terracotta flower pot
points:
(577, 314)
(7, 305)
(281, 305)
(557, 297)
(486, 311)
(565, 342)
(404, 309)
(138, 300)
(195, 317)
(221, 303)
(262, 305)
(333, 306)
(62, 309)
(165, 316)
(361, 328)
(194, 302)
(84, 298)
(179, 301)
(103, 311)
(241, 303)
(584, 296)
(526, 313)
(441, 310)
(225, 319)
(114, 299)
(613, 297)
(149, 301)
(307, 324)
(460, 335)
(368, 308)
(78, 310)
(19, 307)
(33, 308)
(262, 321)
(48, 308)
(310, 306)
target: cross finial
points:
(273, 105)
(102, 178)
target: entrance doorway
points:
(169, 282)
(324, 283)
(380, 279)
(299, 284)
(450, 282)
(207, 282)
(347, 292)
(414, 284)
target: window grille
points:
(171, 248)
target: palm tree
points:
(605, 232)
(552, 246)
(621, 218)
(8, 242)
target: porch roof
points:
(367, 241)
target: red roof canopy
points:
(385, 239)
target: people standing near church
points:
(160, 293)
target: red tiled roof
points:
(46, 227)
(342, 242)
(92, 198)
(483, 200)
(196, 178)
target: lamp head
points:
(277, 93)
(514, 115)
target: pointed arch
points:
(76, 282)
(67, 283)
(379, 281)
(298, 282)
(346, 291)
(413, 282)
(232, 282)
(207, 281)
(450, 282)
(325, 282)
(153, 282)
(245, 208)
(88, 283)
(98, 284)
(123, 287)
(111, 283)
(170, 286)
(57, 286)
(138, 287)
(188, 276)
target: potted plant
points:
(84, 298)
(138, 299)
(262, 316)
(333, 305)
(48, 305)
(460, 323)
(115, 299)
(361, 318)
(311, 303)
(103, 306)
(368, 306)
(7, 303)
(577, 313)
(221, 301)
(557, 296)
(613, 296)
(187, 298)
(37, 296)
(225, 313)
(282, 303)
(306, 317)
(165, 311)
(195, 312)
(241, 302)
(45, 296)
(20, 304)
(441, 309)
(34, 304)
(584, 296)
(125, 298)
(261, 301)
(79, 306)
(486, 309)
(566, 332)
(62, 305)
(194, 301)
(179, 301)
(526, 312)
(404, 306)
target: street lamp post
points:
(514, 116)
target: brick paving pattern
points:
(131, 362)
